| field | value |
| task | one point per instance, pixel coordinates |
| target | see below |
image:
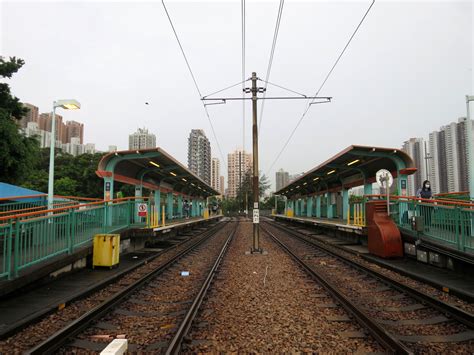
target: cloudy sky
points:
(405, 73)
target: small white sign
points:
(383, 178)
(256, 215)
(184, 273)
(255, 205)
(142, 209)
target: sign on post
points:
(385, 179)
(256, 215)
(142, 209)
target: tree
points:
(17, 152)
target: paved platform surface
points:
(20, 308)
(177, 223)
(331, 222)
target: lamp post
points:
(67, 105)
(470, 149)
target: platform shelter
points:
(171, 183)
(323, 192)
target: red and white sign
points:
(142, 209)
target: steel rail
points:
(35, 317)
(454, 312)
(389, 342)
(175, 346)
(61, 337)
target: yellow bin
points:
(106, 250)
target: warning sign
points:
(142, 209)
(256, 215)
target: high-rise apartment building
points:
(282, 178)
(141, 139)
(74, 129)
(199, 155)
(221, 185)
(449, 157)
(31, 116)
(238, 164)
(415, 148)
(46, 123)
(215, 174)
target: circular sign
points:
(383, 178)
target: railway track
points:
(149, 310)
(401, 317)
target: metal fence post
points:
(72, 231)
(458, 226)
(9, 251)
(16, 247)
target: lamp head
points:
(68, 104)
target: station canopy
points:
(154, 169)
(354, 166)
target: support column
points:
(309, 206)
(180, 206)
(138, 193)
(169, 206)
(286, 206)
(297, 208)
(345, 203)
(329, 205)
(158, 205)
(318, 206)
(193, 207)
(367, 188)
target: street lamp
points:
(470, 149)
(67, 105)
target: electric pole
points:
(256, 190)
(254, 90)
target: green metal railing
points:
(449, 224)
(29, 240)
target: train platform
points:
(333, 223)
(53, 295)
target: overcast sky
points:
(404, 75)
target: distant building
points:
(46, 123)
(215, 174)
(31, 116)
(74, 129)
(238, 164)
(221, 185)
(282, 178)
(112, 148)
(141, 139)
(89, 148)
(199, 155)
(448, 163)
(415, 148)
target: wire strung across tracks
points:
(194, 79)
(320, 88)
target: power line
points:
(284, 88)
(226, 88)
(272, 52)
(320, 88)
(194, 80)
(242, 11)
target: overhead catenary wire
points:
(320, 87)
(224, 89)
(242, 12)
(284, 88)
(270, 60)
(194, 79)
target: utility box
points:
(106, 250)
